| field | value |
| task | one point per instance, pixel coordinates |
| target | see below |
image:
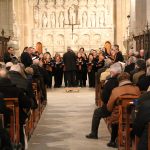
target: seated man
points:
(110, 84)
(9, 90)
(125, 88)
(140, 125)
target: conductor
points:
(69, 59)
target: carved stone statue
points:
(41, 2)
(93, 19)
(59, 2)
(83, 2)
(53, 20)
(84, 19)
(92, 2)
(36, 16)
(102, 19)
(44, 21)
(72, 13)
(50, 3)
(61, 20)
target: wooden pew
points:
(1, 120)
(35, 115)
(124, 121)
(14, 130)
(149, 136)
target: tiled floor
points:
(65, 122)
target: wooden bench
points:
(98, 92)
(124, 103)
(14, 129)
(149, 136)
(1, 120)
(35, 115)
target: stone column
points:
(148, 11)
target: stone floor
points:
(65, 122)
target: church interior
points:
(74, 74)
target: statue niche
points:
(61, 20)
(93, 19)
(44, 20)
(53, 20)
(36, 16)
(72, 14)
(50, 3)
(59, 2)
(84, 19)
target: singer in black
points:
(69, 59)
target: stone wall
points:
(92, 24)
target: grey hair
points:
(108, 62)
(132, 59)
(18, 68)
(148, 67)
(116, 68)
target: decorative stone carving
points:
(36, 16)
(48, 40)
(60, 40)
(92, 2)
(44, 20)
(61, 20)
(50, 3)
(72, 14)
(84, 19)
(59, 2)
(75, 39)
(41, 2)
(97, 39)
(93, 19)
(85, 39)
(51, 19)
(83, 2)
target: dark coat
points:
(17, 79)
(9, 90)
(143, 117)
(69, 60)
(9, 57)
(26, 59)
(129, 68)
(144, 82)
(119, 57)
(108, 87)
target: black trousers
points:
(58, 78)
(71, 78)
(91, 76)
(99, 113)
(114, 132)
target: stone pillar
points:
(122, 23)
(26, 23)
(141, 17)
(148, 11)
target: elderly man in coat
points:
(125, 88)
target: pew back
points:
(14, 130)
(124, 103)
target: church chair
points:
(14, 128)
(125, 104)
(98, 90)
(1, 120)
(36, 112)
(148, 135)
